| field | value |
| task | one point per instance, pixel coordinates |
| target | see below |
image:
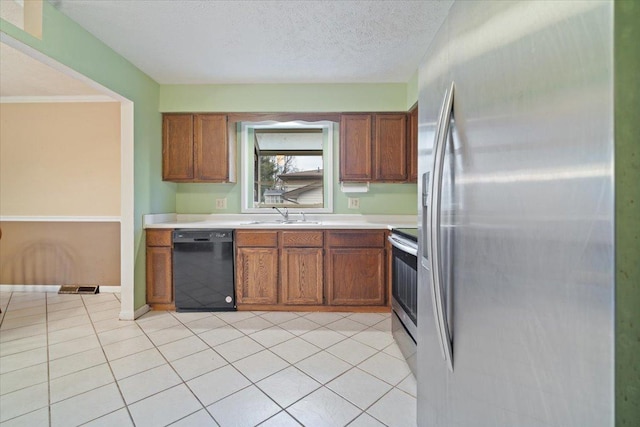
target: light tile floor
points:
(67, 360)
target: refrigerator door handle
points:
(427, 201)
(442, 136)
(427, 224)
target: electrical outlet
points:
(221, 203)
(354, 203)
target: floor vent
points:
(69, 289)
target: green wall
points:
(283, 97)
(68, 43)
(390, 199)
(381, 199)
(412, 90)
(627, 176)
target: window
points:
(287, 165)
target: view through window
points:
(289, 166)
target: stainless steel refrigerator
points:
(516, 273)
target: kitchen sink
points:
(283, 222)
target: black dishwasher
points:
(203, 275)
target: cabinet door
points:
(159, 237)
(390, 142)
(159, 275)
(356, 276)
(211, 147)
(301, 276)
(257, 275)
(177, 147)
(412, 145)
(355, 147)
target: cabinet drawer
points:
(159, 237)
(357, 239)
(302, 239)
(257, 238)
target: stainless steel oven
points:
(404, 290)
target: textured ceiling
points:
(329, 41)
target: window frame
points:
(247, 162)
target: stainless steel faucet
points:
(284, 214)
(304, 218)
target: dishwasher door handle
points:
(203, 239)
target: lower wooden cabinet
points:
(281, 269)
(311, 268)
(256, 266)
(159, 267)
(302, 267)
(357, 276)
(301, 276)
(356, 267)
(159, 276)
(257, 275)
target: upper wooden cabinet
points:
(373, 147)
(390, 147)
(211, 147)
(197, 148)
(177, 147)
(355, 147)
(412, 144)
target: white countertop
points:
(247, 221)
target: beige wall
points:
(60, 253)
(60, 159)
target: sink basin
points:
(299, 222)
(283, 222)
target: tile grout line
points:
(228, 363)
(274, 373)
(324, 385)
(183, 382)
(241, 373)
(246, 333)
(48, 392)
(378, 351)
(46, 313)
(4, 313)
(110, 370)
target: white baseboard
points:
(49, 288)
(128, 315)
(124, 315)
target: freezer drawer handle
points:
(434, 244)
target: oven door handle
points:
(402, 246)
